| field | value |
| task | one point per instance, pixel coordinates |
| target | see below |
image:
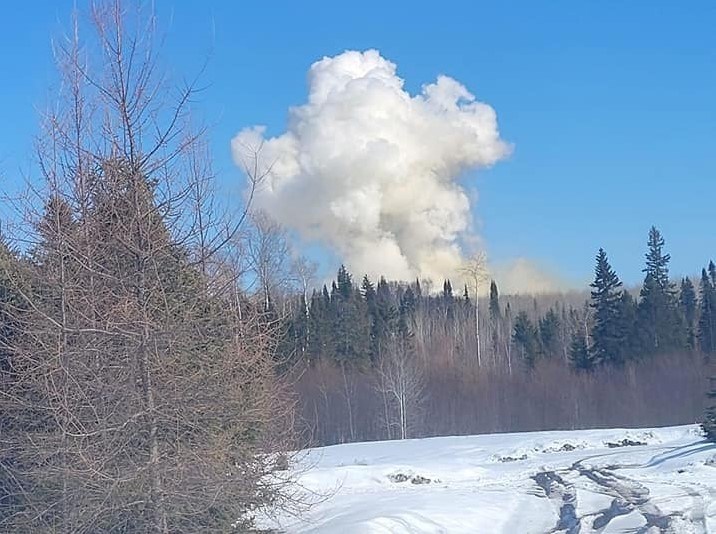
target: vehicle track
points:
(565, 495)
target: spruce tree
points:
(344, 283)
(407, 309)
(549, 327)
(657, 261)
(627, 321)
(383, 314)
(321, 325)
(351, 321)
(494, 305)
(660, 327)
(495, 317)
(368, 292)
(608, 334)
(525, 337)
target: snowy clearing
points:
(606, 481)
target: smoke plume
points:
(372, 171)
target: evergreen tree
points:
(495, 317)
(407, 309)
(494, 305)
(367, 289)
(320, 322)
(387, 309)
(383, 315)
(657, 261)
(608, 334)
(351, 331)
(707, 315)
(447, 290)
(368, 292)
(448, 301)
(526, 339)
(660, 327)
(627, 321)
(344, 283)
(579, 353)
(297, 330)
(689, 306)
(549, 327)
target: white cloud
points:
(371, 171)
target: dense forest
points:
(377, 359)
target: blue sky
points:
(610, 104)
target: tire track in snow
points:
(629, 495)
(556, 489)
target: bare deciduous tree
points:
(475, 270)
(401, 383)
(142, 395)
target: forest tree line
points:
(376, 359)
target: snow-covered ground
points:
(607, 481)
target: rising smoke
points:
(372, 171)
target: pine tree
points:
(608, 334)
